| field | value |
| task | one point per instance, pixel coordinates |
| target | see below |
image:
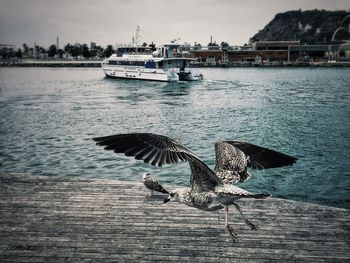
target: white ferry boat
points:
(164, 64)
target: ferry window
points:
(169, 62)
(150, 64)
(131, 63)
(138, 63)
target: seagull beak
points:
(166, 200)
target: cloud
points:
(115, 21)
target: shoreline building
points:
(270, 53)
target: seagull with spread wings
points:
(210, 190)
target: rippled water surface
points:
(48, 117)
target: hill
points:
(311, 27)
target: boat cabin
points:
(133, 51)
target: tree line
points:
(69, 50)
(80, 51)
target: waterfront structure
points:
(165, 64)
(65, 218)
(274, 45)
(271, 53)
(258, 53)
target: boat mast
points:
(137, 38)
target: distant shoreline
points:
(97, 64)
(54, 63)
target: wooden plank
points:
(62, 219)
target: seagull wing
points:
(263, 158)
(231, 163)
(233, 158)
(158, 150)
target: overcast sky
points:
(115, 21)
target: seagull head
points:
(145, 175)
(169, 198)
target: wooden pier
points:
(62, 219)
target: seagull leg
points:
(218, 218)
(250, 224)
(151, 193)
(228, 227)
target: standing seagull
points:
(209, 190)
(152, 184)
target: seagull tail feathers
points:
(163, 190)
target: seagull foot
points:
(230, 230)
(251, 225)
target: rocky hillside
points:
(311, 27)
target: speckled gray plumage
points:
(220, 196)
(209, 190)
(231, 163)
(152, 184)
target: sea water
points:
(48, 117)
